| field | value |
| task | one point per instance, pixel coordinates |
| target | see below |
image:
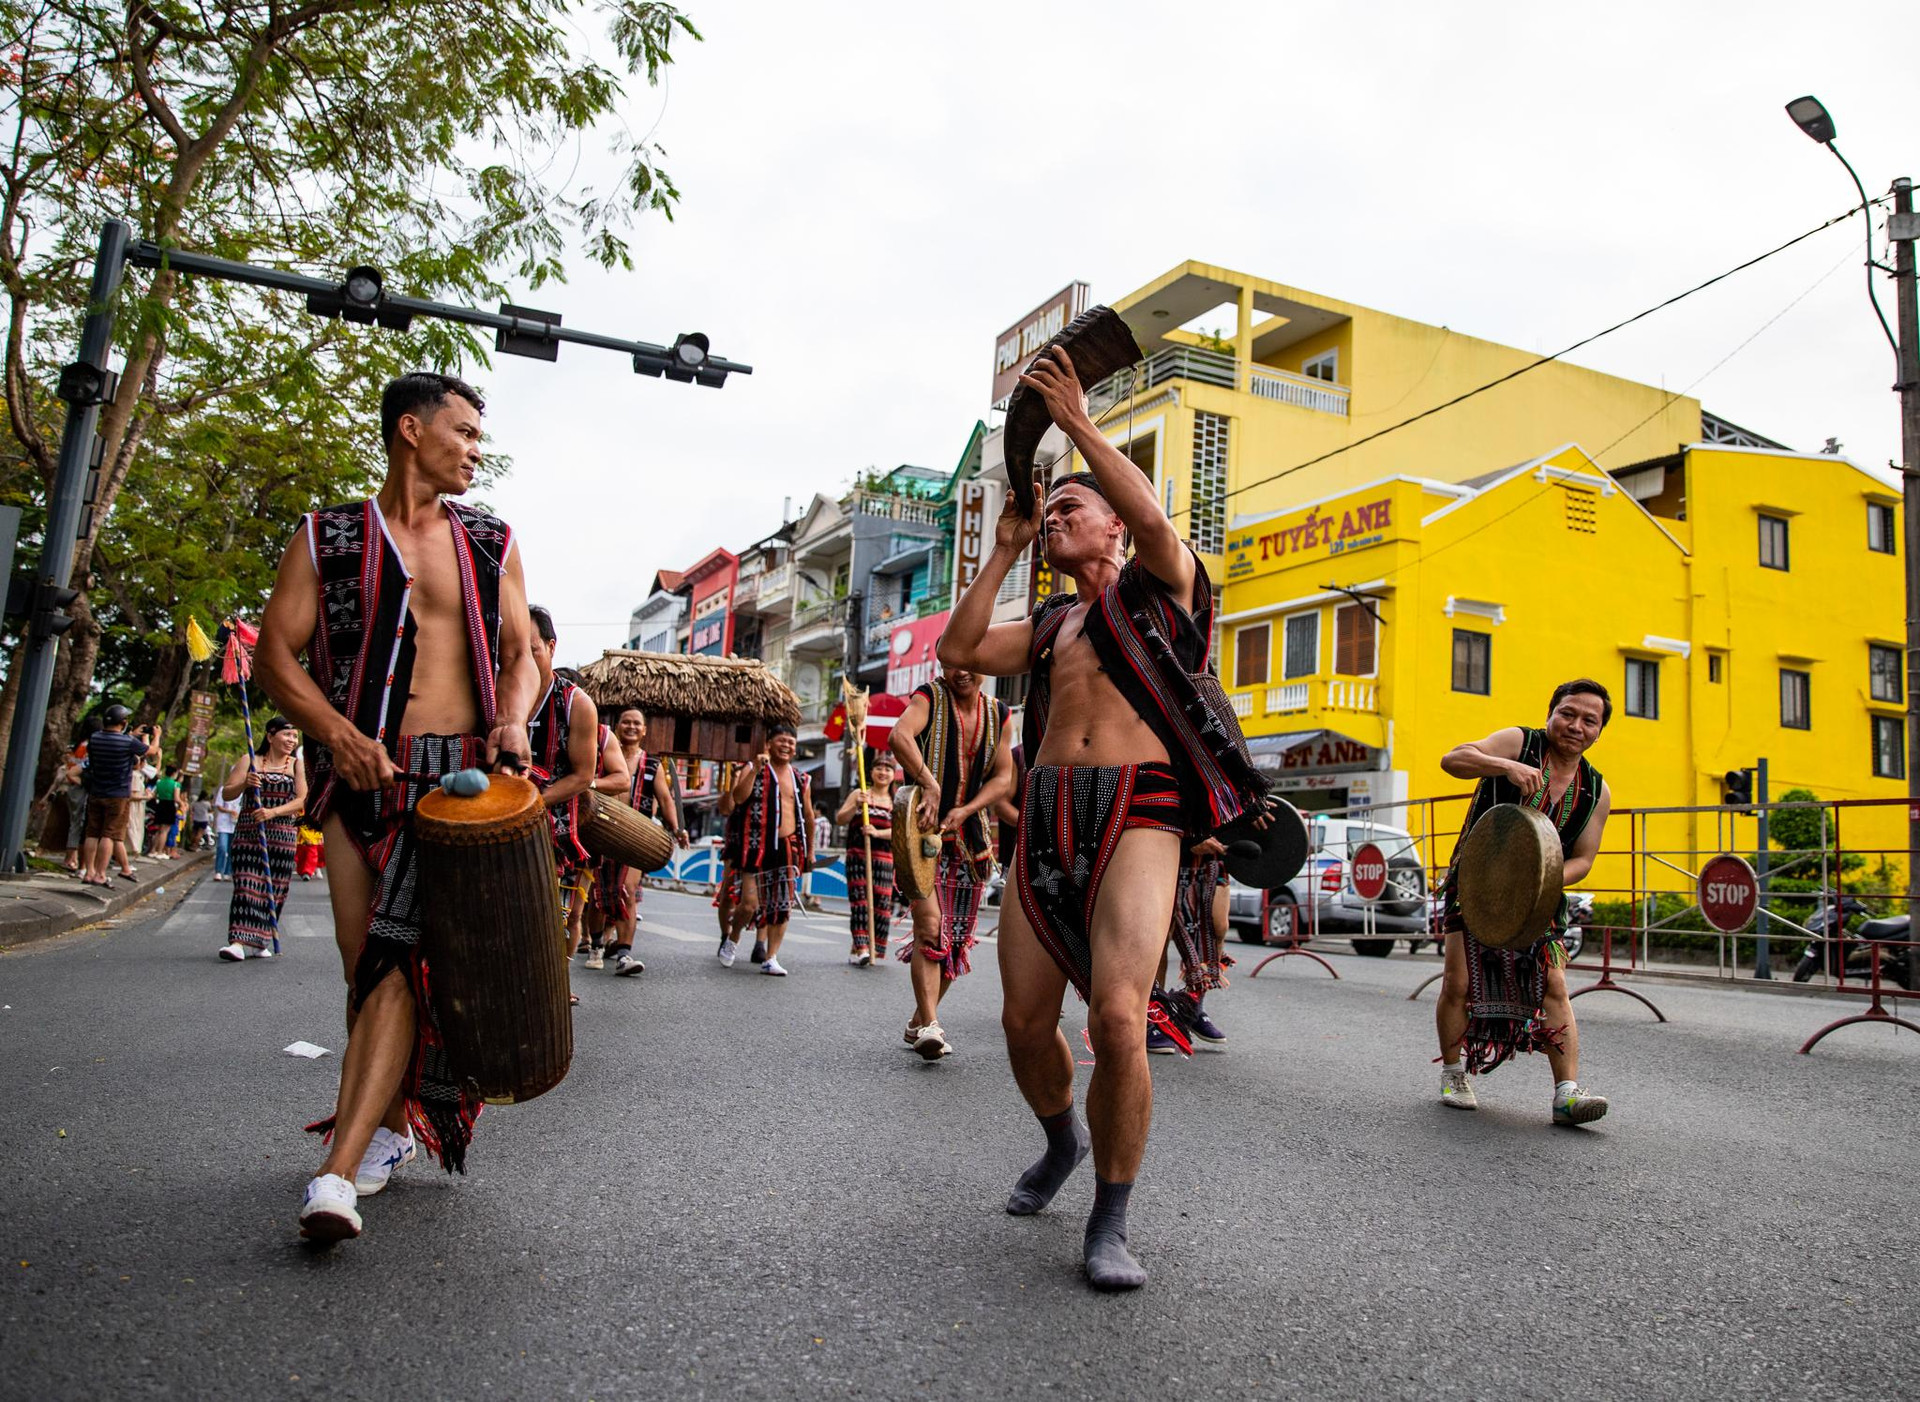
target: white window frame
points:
(1241, 632)
(1286, 628)
(1330, 359)
(1377, 629)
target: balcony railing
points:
(1290, 697)
(1323, 397)
(816, 614)
(746, 591)
(1355, 695)
(893, 508)
(1212, 368)
(776, 586)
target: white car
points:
(1261, 917)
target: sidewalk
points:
(42, 904)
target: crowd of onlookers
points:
(112, 801)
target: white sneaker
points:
(1456, 1091)
(328, 1214)
(932, 1043)
(387, 1152)
(772, 966)
(729, 951)
(263, 952)
(626, 966)
(234, 952)
(596, 957)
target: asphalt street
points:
(747, 1188)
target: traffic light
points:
(49, 618)
(1736, 789)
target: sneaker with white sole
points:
(234, 952)
(729, 951)
(626, 966)
(259, 952)
(1579, 1108)
(911, 1035)
(596, 957)
(773, 966)
(387, 1152)
(932, 1043)
(327, 1214)
(1456, 1091)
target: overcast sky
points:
(872, 192)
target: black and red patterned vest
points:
(760, 844)
(548, 734)
(1153, 649)
(363, 644)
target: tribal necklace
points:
(1541, 801)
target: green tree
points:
(420, 136)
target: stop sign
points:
(1729, 893)
(1369, 872)
(882, 711)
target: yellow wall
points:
(1394, 368)
(1581, 578)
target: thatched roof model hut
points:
(712, 707)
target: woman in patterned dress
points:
(879, 890)
(275, 785)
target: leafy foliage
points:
(434, 139)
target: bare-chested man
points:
(1495, 1002)
(616, 888)
(953, 742)
(776, 846)
(412, 614)
(1129, 765)
(569, 756)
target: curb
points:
(42, 905)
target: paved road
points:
(747, 1189)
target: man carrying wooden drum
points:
(776, 845)
(564, 729)
(1130, 763)
(616, 888)
(1498, 1001)
(964, 767)
(412, 614)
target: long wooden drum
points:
(493, 936)
(618, 832)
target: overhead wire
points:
(1536, 363)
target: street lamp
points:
(1811, 116)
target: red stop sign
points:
(1729, 893)
(882, 711)
(1369, 872)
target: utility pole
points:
(1902, 229)
(85, 385)
(1762, 860)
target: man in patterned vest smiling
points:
(412, 615)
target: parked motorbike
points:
(1834, 946)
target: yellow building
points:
(1736, 602)
(1725, 590)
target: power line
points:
(1543, 360)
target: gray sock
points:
(1067, 1144)
(1110, 1266)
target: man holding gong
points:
(1505, 992)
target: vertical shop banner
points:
(970, 543)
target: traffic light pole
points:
(1762, 860)
(62, 535)
(1903, 228)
